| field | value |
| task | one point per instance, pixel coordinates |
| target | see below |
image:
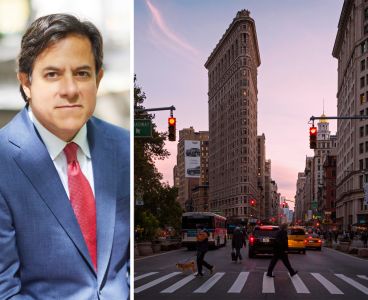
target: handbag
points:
(233, 256)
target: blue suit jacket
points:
(42, 251)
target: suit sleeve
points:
(9, 260)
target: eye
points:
(51, 74)
(83, 74)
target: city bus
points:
(213, 223)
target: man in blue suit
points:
(64, 175)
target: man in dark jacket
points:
(202, 248)
(237, 243)
(281, 246)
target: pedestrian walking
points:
(280, 252)
(364, 238)
(202, 248)
(237, 243)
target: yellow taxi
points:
(296, 239)
(314, 241)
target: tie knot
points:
(70, 151)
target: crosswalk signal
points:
(313, 137)
(172, 129)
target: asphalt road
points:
(328, 274)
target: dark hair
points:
(49, 29)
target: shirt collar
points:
(55, 145)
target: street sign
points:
(142, 128)
(139, 202)
(314, 204)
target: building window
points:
(362, 65)
(362, 81)
(366, 163)
(366, 14)
(361, 131)
(361, 148)
(361, 165)
(362, 98)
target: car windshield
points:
(296, 231)
(264, 232)
(193, 222)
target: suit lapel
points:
(104, 156)
(34, 160)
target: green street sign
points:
(142, 128)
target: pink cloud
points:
(170, 35)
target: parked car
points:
(313, 241)
(194, 171)
(262, 240)
(296, 239)
(193, 152)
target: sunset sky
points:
(173, 40)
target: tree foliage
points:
(160, 206)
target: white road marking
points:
(179, 284)
(363, 277)
(354, 283)
(144, 275)
(155, 282)
(209, 283)
(268, 285)
(333, 289)
(299, 285)
(239, 283)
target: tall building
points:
(192, 168)
(326, 143)
(232, 99)
(351, 51)
(261, 168)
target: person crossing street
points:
(202, 248)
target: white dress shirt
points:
(55, 147)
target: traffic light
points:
(252, 202)
(313, 137)
(172, 129)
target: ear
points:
(99, 77)
(23, 78)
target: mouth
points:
(69, 106)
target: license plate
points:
(311, 242)
(266, 240)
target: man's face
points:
(63, 86)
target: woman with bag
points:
(237, 243)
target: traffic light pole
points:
(312, 118)
(171, 108)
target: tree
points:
(160, 207)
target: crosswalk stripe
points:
(363, 277)
(155, 282)
(299, 285)
(209, 283)
(268, 286)
(354, 283)
(144, 275)
(179, 284)
(333, 289)
(239, 283)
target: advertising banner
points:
(192, 153)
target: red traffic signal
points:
(172, 128)
(313, 137)
(252, 202)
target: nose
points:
(68, 88)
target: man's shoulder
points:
(110, 130)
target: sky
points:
(297, 77)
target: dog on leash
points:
(186, 266)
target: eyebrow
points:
(53, 68)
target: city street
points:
(328, 274)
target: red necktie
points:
(82, 200)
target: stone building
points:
(232, 98)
